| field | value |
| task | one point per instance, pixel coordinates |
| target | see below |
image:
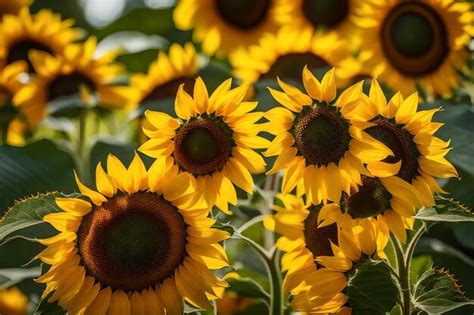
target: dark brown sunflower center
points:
(318, 239)
(169, 89)
(401, 142)
(68, 84)
(325, 13)
(291, 65)
(243, 14)
(322, 135)
(370, 200)
(414, 38)
(19, 51)
(203, 145)
(132, 241)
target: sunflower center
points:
(318, 239)
(169, 89)
(68, 84)
(326, 13)
(401, 142)
(203, 145)
(370, 200)
(414, 38)
(291, 65)
(19, 51)
(132, 241)
(243, 14)
(322, 135)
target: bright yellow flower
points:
(223, 25)
(213, 140)
(13, 302)
(417, 42)
(22, 117)
(167, 73)
(320, 148)
(44, 31)
(140, 244)
(12, 6)
(335, 16)
(418, 154)
(286, 53)
(74, 71)
(317, 257)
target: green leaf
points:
(438, 292)
(41, 166)
(418, 266)
(12, 276)
(372, 288)
(28, 213)
(446, 210)
(247, 287)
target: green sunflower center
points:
(370, 200)
(322, 135)
(68, 84)
(203, 145)
(169, 89)
(414, 38)
(401, 142)
(243, 14)
(318, 239)
(19, 51)
(291, 65)
(325, 13)
(132, 241)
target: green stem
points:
(404, 276)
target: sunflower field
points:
(233, 157)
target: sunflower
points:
(223, 25)
(321, 150)
(286, 53)
(17, 118)
(13, 302)
(417, 42)
(420, 157)
(318, 257)
(335, 16)
(140, 244)
(76, 71)
(44, 31)
(12, 6)
(167, 73)
(213, 140)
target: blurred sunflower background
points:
(232, 93)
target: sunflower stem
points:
(404, 276)
(276, 303)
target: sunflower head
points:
(224, 25)
(25, 32)
(319, 255)
(213, 139)
(76, 71)
(142, 242)
(13, 302)
(286, 53)
(167, 73)
(417, 42)
(320, 143)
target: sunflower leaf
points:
(46, 308)
(247, 287)
(446, 210)
(25, 218)
(438, 292)
(11, 276)
(372, 288)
